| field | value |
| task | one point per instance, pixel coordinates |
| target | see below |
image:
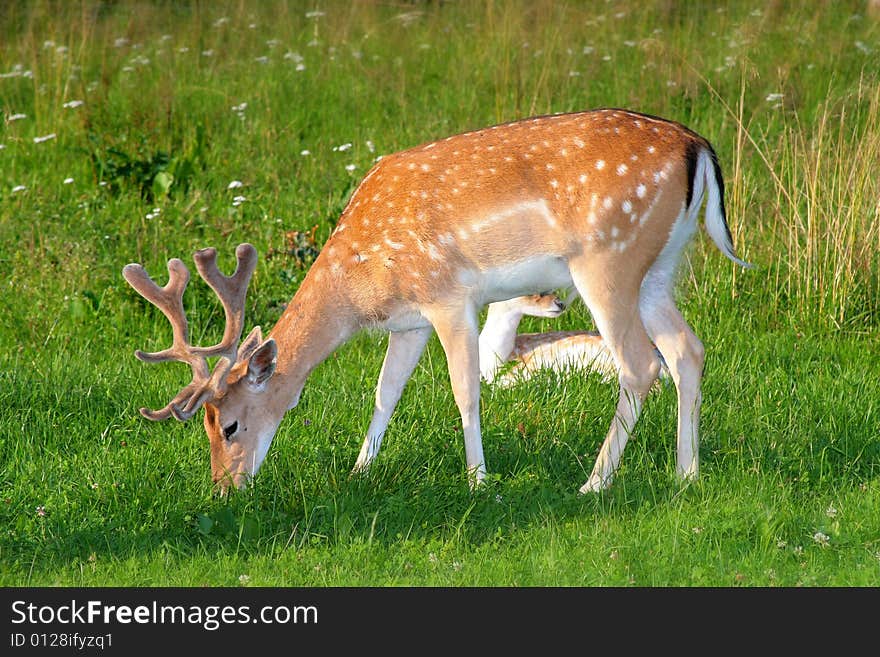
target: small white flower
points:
(295, 56)
(16, 117)
(830, 511)
(102, 183)
(18, 188)
(300, 67)
(207, 53)
(350, 167)
(2, 146)
(821, 539)
(305, 152)
(343, 147)
(68, 181)
(781, 544)
(71, 104)
(371, 146)
(772, 98)
(120, 42)
(262, 59)
(40, 140)
(315, 14)
(244, 579)
(235, 184)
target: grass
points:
(179, 99)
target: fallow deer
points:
(604, 200)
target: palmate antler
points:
(231, 291)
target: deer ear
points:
(261, 364)
(249, 345)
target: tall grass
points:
(295, 101)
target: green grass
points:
(790, 486)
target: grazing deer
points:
(604, 200)
(560, 351)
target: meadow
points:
(141, 131)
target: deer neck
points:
(316, 322)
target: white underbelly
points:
(530, 276)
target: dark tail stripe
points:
(690, 156)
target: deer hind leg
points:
(458, 331)
(404, 350)
(615, 310)
(684, 355)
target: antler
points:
(231, 291)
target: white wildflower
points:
(371, 146)
(821, 539)
(300, 67)
(16, 117)
(120, 42)
(831, 511)
(350, 167)
(305, 152)
(18, 188)
(40, 140)
(73, 104)
(343, 147)
(235, 184)
(772, 98)
(68, 181)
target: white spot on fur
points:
(393, 245)
(583, 178)
(600, 164)
(640, 191)
(608, 203)
(626, 206)
(622, 169)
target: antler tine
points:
(231, 290)
(168, 299)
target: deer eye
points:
(229, 430)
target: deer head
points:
(236, 426)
